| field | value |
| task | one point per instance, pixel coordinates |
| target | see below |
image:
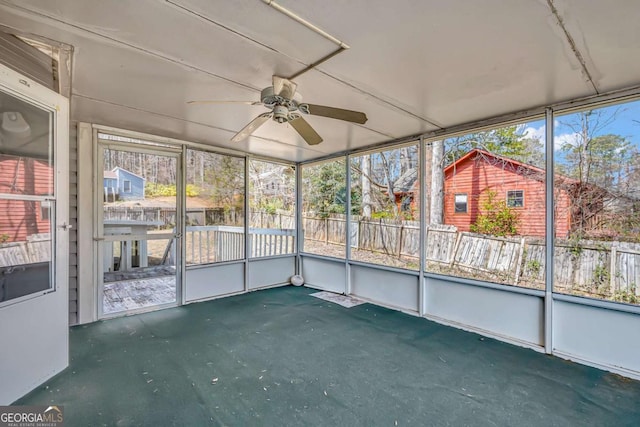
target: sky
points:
(625, 121)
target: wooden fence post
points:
(455, 249)
(400, 241)
(612, 270)
(518, 265)
(326, 230)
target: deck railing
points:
(219, 243)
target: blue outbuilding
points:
(120, 184)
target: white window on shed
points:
(461, 203)
(515, 198)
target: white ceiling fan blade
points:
(284, 87)
(338, 113)
(225, 102)
(306, 131)
(251, 127)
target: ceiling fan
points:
(287, 107)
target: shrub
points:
(163, 190)
(627, 295)
(497, 218)
(271, 207)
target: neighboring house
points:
(120, 184)
(271, 183)
(26, 177)
(468, 181)
(404, 190)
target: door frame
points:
(98, 231)
(39, 348)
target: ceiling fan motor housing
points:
(269, 98)
(284, 109)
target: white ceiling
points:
(412, 66)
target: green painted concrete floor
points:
(280, 357)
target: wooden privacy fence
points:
(326, 230)
(493, 258)
(580, 266)
(386, 236)
(605, 268)
(280, 220)
(400, 238)
(36, 249)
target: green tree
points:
(325, 188)
(224, 180)
(509, 141)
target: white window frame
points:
(515, 198)
(124, 186)
(466, 203)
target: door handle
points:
(65, 227)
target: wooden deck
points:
(138, 293)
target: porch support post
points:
(347, 228)
(549, 234)
(299, 225)
(87, 254)
(422, 281)
(247, 220)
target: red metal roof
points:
(479, 151)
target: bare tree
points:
(390, 188)
(365, 167)
(594, 173)
(427, 178)
(436, 208)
